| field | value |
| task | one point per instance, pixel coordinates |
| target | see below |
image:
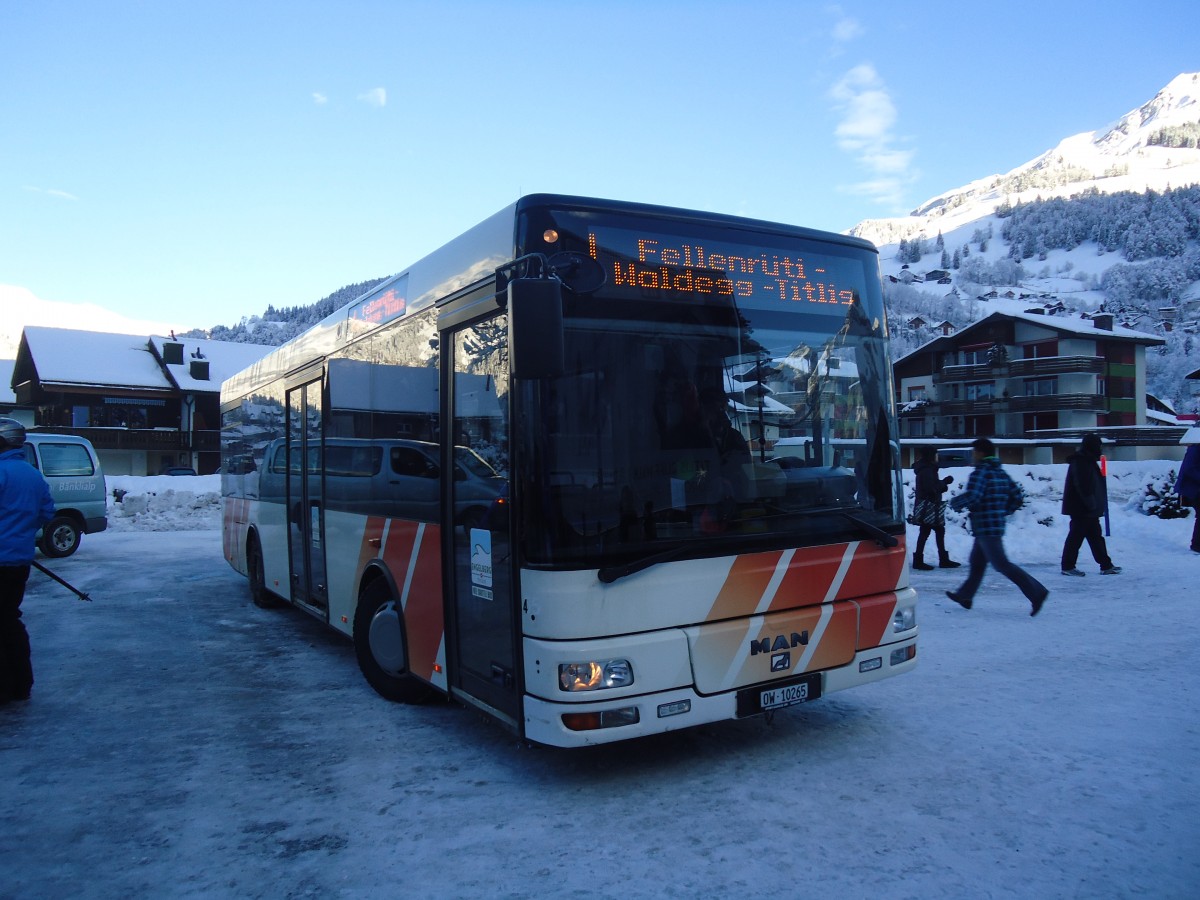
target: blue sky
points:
(194, 162)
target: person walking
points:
(1187, 486)
(1085, 500)
(992, 497)
(25, 506)
(929, 510)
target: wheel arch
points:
(75, 515)
(374, 571)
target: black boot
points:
(919, 563)
(945, 562)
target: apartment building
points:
(1034, 382)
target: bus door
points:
(304, 495)
(483, 630)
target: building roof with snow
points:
(66, 359)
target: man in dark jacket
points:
(1085, 500)
(25, 506)
(992, 497)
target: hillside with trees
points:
(277, 326)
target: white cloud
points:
(866, 130)
(374, 97)
(845, 29)
(22, 307)
(51, 192)
(319, 98)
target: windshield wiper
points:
(609, 574)
(881, 537)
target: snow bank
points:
(164, 502)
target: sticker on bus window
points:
(481, 563)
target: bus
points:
(542, 472)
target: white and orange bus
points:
(597, 469)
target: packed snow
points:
(182, 742)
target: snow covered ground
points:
(182, 742)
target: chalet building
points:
(1035, 384)
(144, 402)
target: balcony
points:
(166, 440)
(984, 407)
(1055, 365)
(1053, 402)
(1022, 368)
(980, 372)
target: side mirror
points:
(535, 328)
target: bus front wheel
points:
(381, 646)
(259, 595)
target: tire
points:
(381, 645)
(60, 537)
(259, 595)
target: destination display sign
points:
(713, 270)
(375, 309)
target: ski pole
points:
(70, 587)
(1104, 475)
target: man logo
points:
(781, 662)
(778, 642)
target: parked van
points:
(71, 468)
(386, 477)
(948, 457)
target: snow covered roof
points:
(769, 405)
(64, 356)
(1153, 415)
(1073, 325)
(224, 360)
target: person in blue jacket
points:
(25, 506)
(992, 497)
(1187, 486)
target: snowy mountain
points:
(1107, 218)
(1127, 155)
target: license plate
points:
(756, 700)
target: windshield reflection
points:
(710, 428)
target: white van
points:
(71, 468)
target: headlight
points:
(904, 619)
(595, 675)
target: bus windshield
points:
(723, 392)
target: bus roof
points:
(471, 257)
